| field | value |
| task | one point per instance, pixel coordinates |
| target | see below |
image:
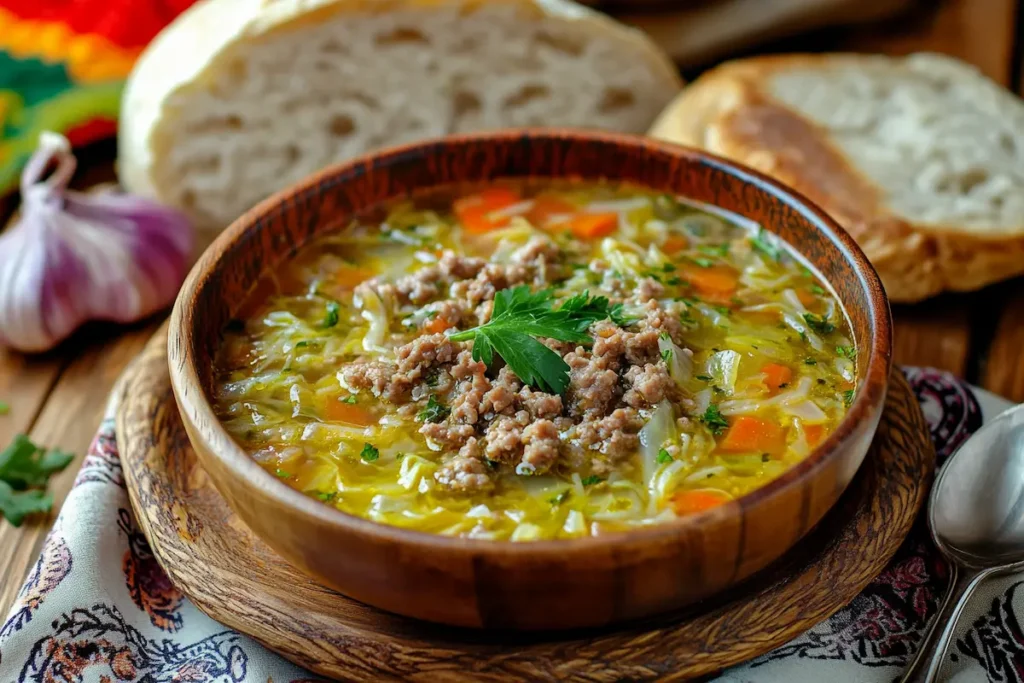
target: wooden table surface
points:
(58, 398)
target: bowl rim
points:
(192, 399)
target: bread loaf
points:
(920, 158)
(239, 98)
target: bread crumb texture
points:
(273, 107)
(920, 158)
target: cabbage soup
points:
(531, 361)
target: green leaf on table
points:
(25, 469)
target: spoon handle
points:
(926, 665)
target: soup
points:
(527, 362)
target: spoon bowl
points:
(976, 517)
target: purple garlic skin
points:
(75, 257)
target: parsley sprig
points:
(519, 318)
(25, 468)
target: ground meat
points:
(664, 320)
(448, 435)
(459, 267)
(450, 311)
(483, 312)
(464, 475)
(504, 440)
(466, 406)
(650, 384)
(593, 383)
(541, 447)
(421, 286)
(540, 405)
(366, 375)
(615, 435)
(472, 449)
(642, 347)
(538, 251)
(467, 367)
(649, 289)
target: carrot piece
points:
(474, 211)
(675, 244)
(718, 282)
(806, 298)
(589, 226)
(338, 411)
(752, 435)
(546, 207)
(437, 325)
(690, 502)
(814, 434)
(776, 375)
(348, 277)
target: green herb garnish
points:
(519, 318)
(369, 452)
(720, 250)
(847, 352)
(818, 323)
(702, 262)
(561, 497)
(763, 245)
(301, 344)
(704, 378)
(668, 268)
(666, 355)
(848, 397)
(331, 318)
(25, 469)
(326, 496)
(617, 313)
(282, 473)
(351, 400)
(815, 289)
(435, 411)
(810, 361)
(591, 480)
(663, 457)
(714, 420)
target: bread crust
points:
(200, 42)
(728, 111)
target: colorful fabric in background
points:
(63, 64)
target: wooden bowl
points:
(546, 584)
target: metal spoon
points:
(976, 516)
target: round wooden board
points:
(236, 579)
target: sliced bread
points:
(239, 98)
(920, 158)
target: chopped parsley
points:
(714, 420)
(591, 480)
(663, 457)
(810, 361)
(815, 289)
(724, 310)
(435, 411)
(491, 464)
(668, 268)
(618, 316)
(369, 452)
(331, 318)
(848, 397)
(818, 323)
(673, 281)
(704, 378)
(764, 245)
(302, 344)
(666, 355)
(283, 474)
(25, 469)
(351, 400)
(847, 352)
(702, 262)
(519, 317)
(561, 497)
(326, 496)
(720, 250)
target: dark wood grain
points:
(234, 577)
(549, 584)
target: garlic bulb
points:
(73, 257)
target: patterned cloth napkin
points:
(97, 608)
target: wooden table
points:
(58, 398)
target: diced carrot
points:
(589, 226)
(674, 244)
(805, 297)
(338, 411)
(814, 434)
(546, 207)
(347, 277)
(474, 211)
(717, 282)
(776, 375)
(752, 435)
(690, 502)
(437, 325)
